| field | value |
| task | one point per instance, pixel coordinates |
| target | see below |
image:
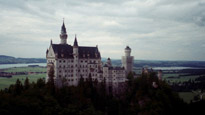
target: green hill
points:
(12, 60)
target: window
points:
(64, 61)
(59, 61)
(59, 75)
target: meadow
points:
(6, 82)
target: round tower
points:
(127, 60)
(109, 63)
(127, 51)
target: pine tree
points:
(51, 76)
(26, 83)
(50, 83)
(18, 87)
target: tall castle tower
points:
(127, 60)
(75, 61)
(63, 35)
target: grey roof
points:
(66, 51)
(88, 52)
(63, 29)
(127, 48)
(63, 50)
(105, 65)
(75, 42)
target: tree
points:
(51, 76)
(130, 78)
(26, 83)
(18, 87)
(50, 83)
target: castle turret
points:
(127, 51)
(127, 60)
(76, 63)
(109, 63)
(63, 35)
(75, 47)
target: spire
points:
(75, 42)
(63, 29)
(51, 41)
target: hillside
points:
(12, 60)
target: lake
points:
(171, 68)
(3, 66)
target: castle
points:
(71, 63)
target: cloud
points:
(154, 29)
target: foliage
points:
(89, 97)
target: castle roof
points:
(75, 42)
(63, 29)
(66, 51)
(63, 50)
(88, 52)
(127, 48)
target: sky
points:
(154, 29)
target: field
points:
(178, 77)
(26, 69)
(187, 96)
(5, 82)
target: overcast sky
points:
(154, 29)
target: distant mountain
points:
(161, 63)
(116, 62)
(12, 60)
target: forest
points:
(90, 97)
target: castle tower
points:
(76, 58)
(75, 46)
(63, 35)
(109, 63)
(127, 60)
